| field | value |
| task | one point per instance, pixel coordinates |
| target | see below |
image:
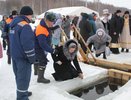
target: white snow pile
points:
(124, 93)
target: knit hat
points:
(50, 16)
(26, 10)
(14, 12)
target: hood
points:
(58, 16)
(84, 15)
(18, 19)
(68, 55)
(91, 17)
(102, 32)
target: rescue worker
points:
(6, 31)
(43, 44)
(22, 43)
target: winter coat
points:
(99, 24)
(22, 39)
(57, 32)
(67, 27)
(2, 25)
(85, 28)
(106, 24)
(92, 24)
(99, 42)
(43, 41)
(66, 70)
(116, 25)
(125, 37)
(1, 52)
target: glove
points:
(107, 44)
(59, 62)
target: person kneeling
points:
(100, 40)
(63, 59)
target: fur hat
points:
(105, 11)
(26, 10)
(118, 11)
(72, 45)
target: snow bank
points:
(124, 93)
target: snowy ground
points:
(123, 57)
(54, 90)
(59, 90)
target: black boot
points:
(122, 50)
(41, 78)
(104, 55)
(127, 50)
(9, 59)
(35, 69)
(29, 94)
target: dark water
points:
(99, 89)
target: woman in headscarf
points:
(63, 67)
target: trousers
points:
(22, 71)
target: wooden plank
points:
(109, 65)
(119, 74)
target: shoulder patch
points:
(22, 23)
(41, 30)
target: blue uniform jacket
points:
(43, 41)
(22, 39)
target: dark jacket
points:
(43, 41)
(22, 39)
(85, 28)
(116, 25)
(93, 25)
(66, 70)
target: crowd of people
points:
(26, 46)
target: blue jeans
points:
(22, 71)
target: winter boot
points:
(41, 78)
(35, 69)
(122, 50)
(9, 59)
(104, 55)
(127, 50)
(29, 94)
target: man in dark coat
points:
(6, 31)
(62, 62)
(116, 25)
(85, 29)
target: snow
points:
(124, 93)
(54, 90)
